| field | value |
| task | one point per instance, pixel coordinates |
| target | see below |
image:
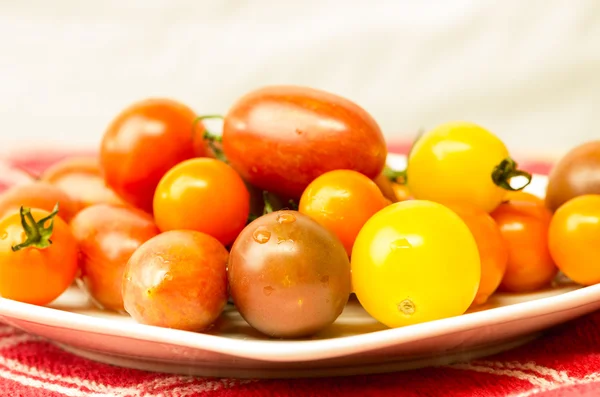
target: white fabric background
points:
(528, 70)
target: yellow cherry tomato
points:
(415, 261)
(461, 162)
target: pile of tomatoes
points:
(289, 211)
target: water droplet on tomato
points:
(401, 243)
(268, 290)
(300, 302)
(407, 307)
(261, 235)
(286, 218)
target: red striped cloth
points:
(564, 362)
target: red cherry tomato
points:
(142, 143)
(39, 195)
(106, 236)
(81, 179)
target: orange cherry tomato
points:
(519, 195)
(106, 236)
(342, 201)
(205, 195)
(39, 195)
(574, 236)
(144, 142)
(401, 191)
(39, 263)
(524, 226)
(493, 250)
(81, 179)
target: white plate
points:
(354, 344)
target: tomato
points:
(39, 195)
(574, 175)
(280, 138)
(142, 143)
(524, 226)
(461, 162)
(493, 251)
(106, 236)
(401, 192)
(205, 195)
(386, 186)
(11, 176)
(342, 201)
(81, 179)
(573, 239)
(523, 196)
(177, 279)
(288, 276)
(38, 262)
(415, 261)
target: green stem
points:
(268, 206)
(505, 171)
(211, 137)
(38, 236)
(394, 175)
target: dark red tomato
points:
(288, 276)
(281, 138)
(142, 143)
(576, 174)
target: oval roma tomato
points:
(38, 256)
(575, 174)
(415, 261)
(280, 138)
(574, 236)
(461, 162)
(342, 201)
(106, 236)
(493, 251)
(178, 280)
(81, 179)
(524, 226)
(205, 195)
(39, 195)
(142, 143)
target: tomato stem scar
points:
(505, 171)
(38, 236)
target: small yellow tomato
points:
(415, 261)
(461, 162)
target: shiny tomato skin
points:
(177, 279)
(280, 138)
(142, 143)
(574, 236)
(81, 179)
(415, 261)
(205, 195)
(575, 174)
(524, 226)
(107, 236)
(32, 275)
(289, 277)
(41, 195)
(493, 250)
(342, 201)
